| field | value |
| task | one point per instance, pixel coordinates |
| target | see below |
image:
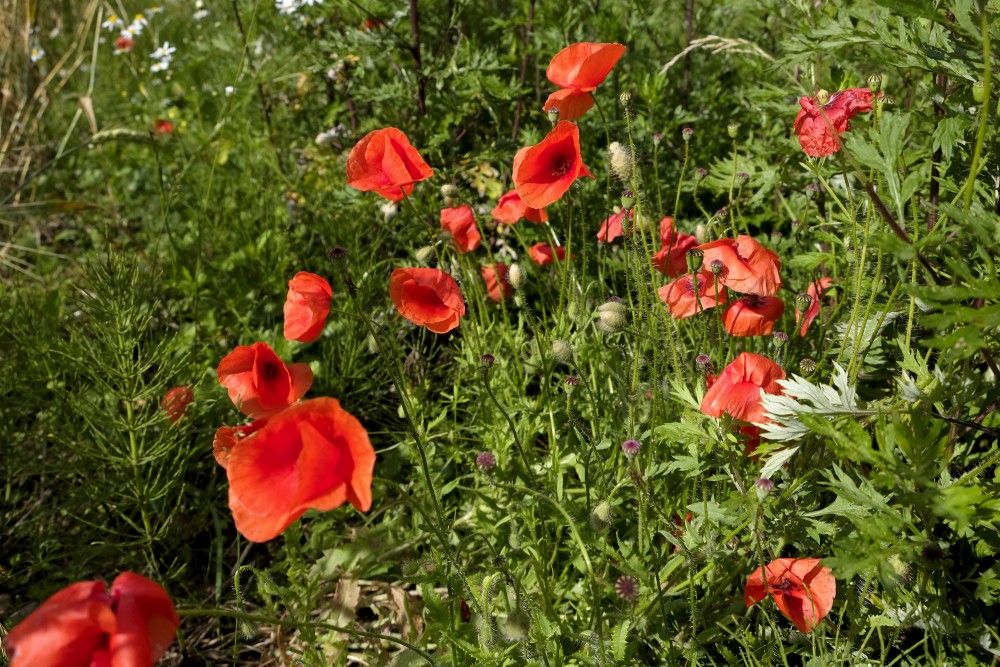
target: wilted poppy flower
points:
(682, 295)
(511, 208)
(578, 70)
(495, 277)
(163, 126)
(737, 389)
(306, 306)
(819, 126)
(461, 225)
(802, 589)
(748, 267)
(541, 253)
(613, 226)
(260, 383)
(313, 455)
(545, 171)
(175, 402)
(815, 291)
(753, 315)
(85, 626)
(671, 259)
(386, 162)
(427, 297)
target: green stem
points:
(983, 114)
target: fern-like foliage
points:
(803, 397)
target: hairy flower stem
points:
(984, 112)
(853, 370)
(680, 181)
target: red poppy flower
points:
(175, 402)
(124, 45)
(584, 65)
(227, 437)
(544, 172)
(815, 291)
(260, 383)
(386, 162)
(427, 297)
(819, 126)
(680, 295)
(313, 455)
(753, 315)
(671, 259)
(570, 103)
(461, 224)
(613, 226)
(306, 306)
(748, 267)
(163, 126)
(541, 254)
(511, 208)
(737, 389)
(85, 626)
(680, 523)
(495, 277)
(802, 589)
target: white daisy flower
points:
(160, 66)
(165, 52)
(287, 6)
(37, 54)
(200, 14)
(112, 23)
(155, 9)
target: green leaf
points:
(619, 640)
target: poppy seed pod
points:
(625, 98)
(628, 199)
(807, 365)
(562, 351)
(695, 259)
(553, 115)
(657, 138)
(600, 517)
(515, 276)
(686, 134)
(622, 161)
(979, 91)
(822, 97)
(570, 382)
(733, 129)
(764, 487)
(612, 317)
(875, 83)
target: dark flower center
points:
(268, 371)
(560, 166)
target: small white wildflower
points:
(113, 23)
(310, 3)
(160, 66)
(200, 14)
(154, 10)
(37, 54)
(134, 29)
(230, 90)
(389, 210)
(287, 7)
(324, 139)
(199, 4)
(54, 33)
(165, 52)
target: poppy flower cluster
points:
(578, 70)
(823, 118)
(85, 625)
(295, 455)
(803, 590)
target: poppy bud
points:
(515, 276)
(562, 351)
(570, 383)
(625, 98)
(716, 266)
(517, 625)
(822, 97)
(612, 317)
(686, 134)
(628, 199)
(733, 129)
(695, 258)
(600, 517)
(425, 254)
(875, 83)
(337, 254)
(803, 300)
(621, 161)
(700, 233)
(631, 447)
(554, 115)
(764, 487)
(705, 363)
(807, 365)
(488, 360)
(485, 461)
(979, 91)
(627, 588)
(780, 338)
